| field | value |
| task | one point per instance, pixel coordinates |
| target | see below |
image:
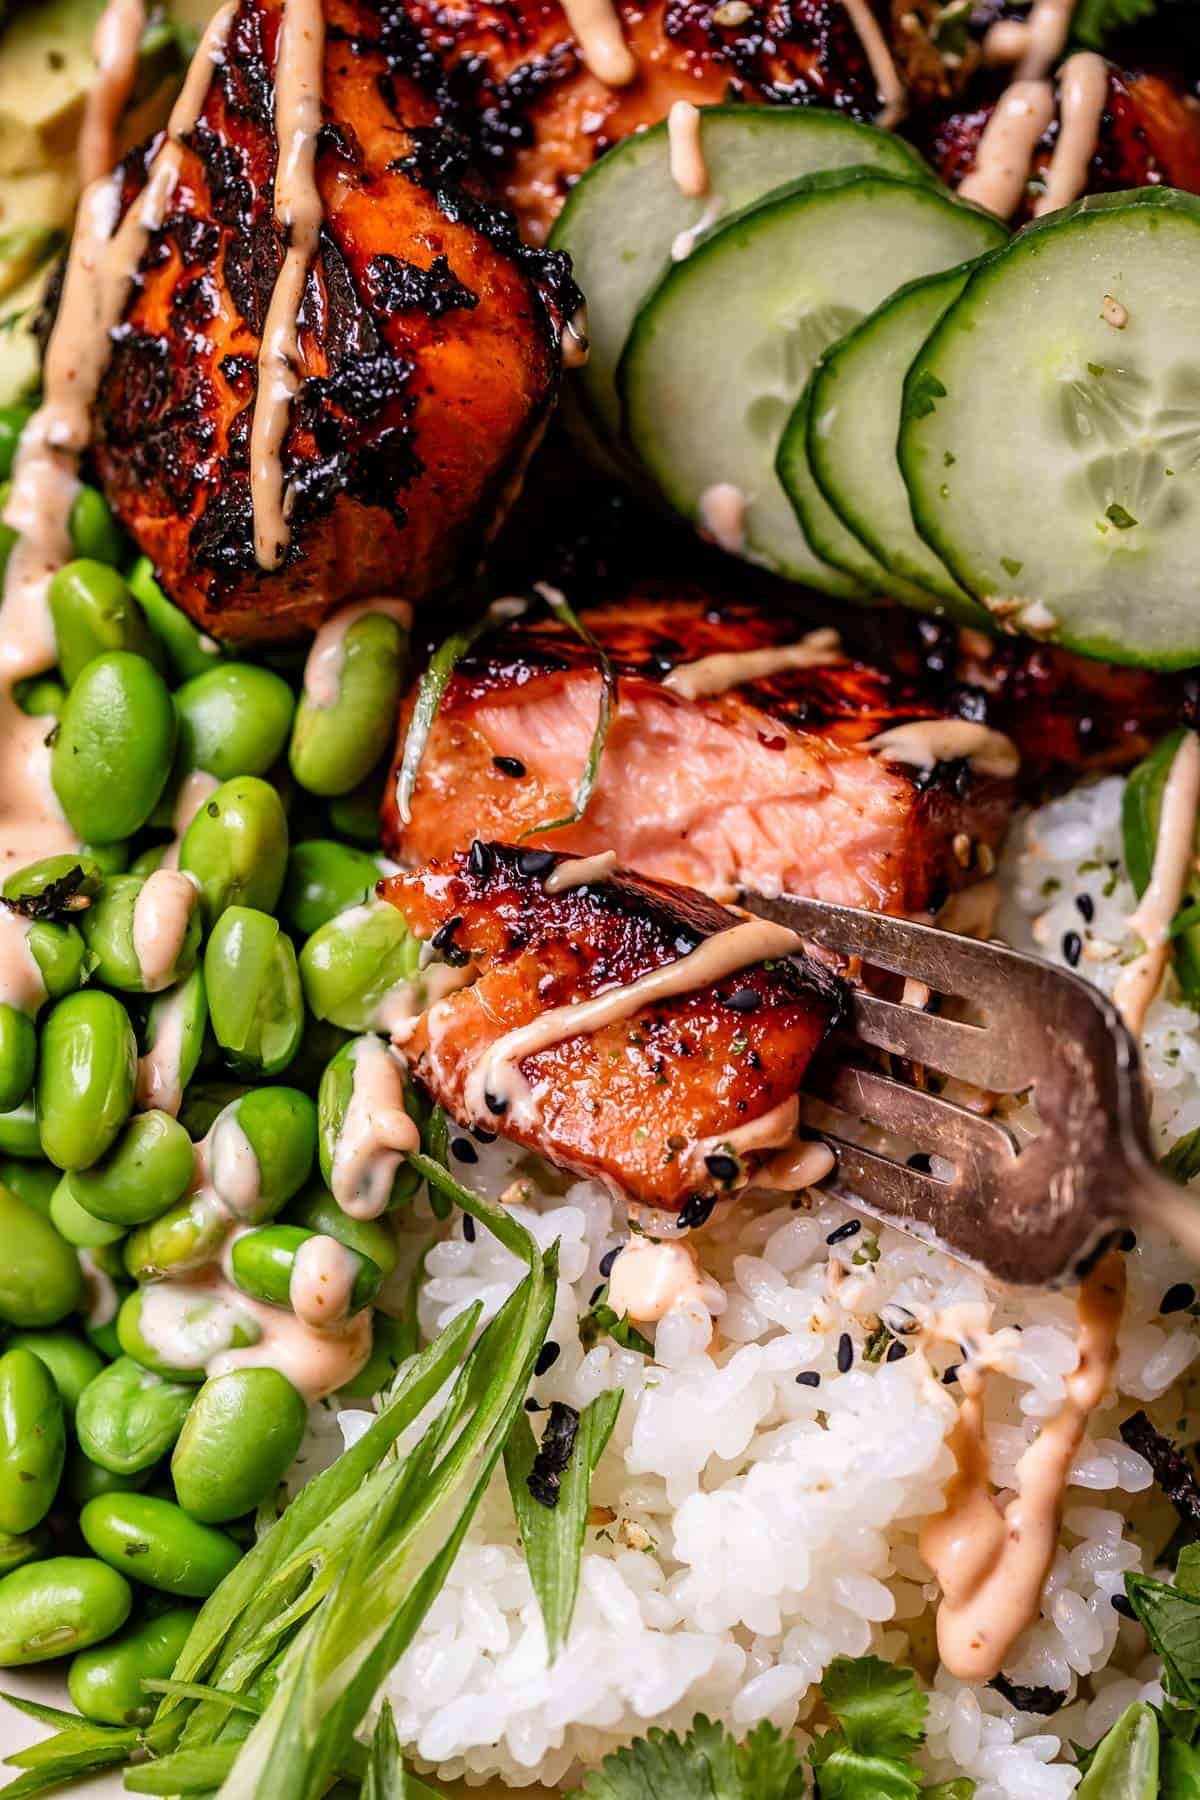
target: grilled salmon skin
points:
(429, 343)
(669, 1102)
(771, 784)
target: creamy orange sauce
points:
(298, 215)
(496, 1076)
(1033, 44)
(722, 506)
(597, 28)
(731, 668)
(770, 1131)
(196, 787)
(162, 913)
(375, 1133)
(115, 47)
(1173, 861)
(227, 1169)
(689, 171)
(159, 1083)
(323, 666)
(322, 1282)
(650, 1279)
(800, 1166)
(579, 871)
(927, 742)
(684, 242)
(1082, 98)
(992, 1565)
(21, 984)
(1004, 158)
(883, 68)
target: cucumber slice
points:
(1053, 456)
(722, 349)
(623, 216)
(853, 421)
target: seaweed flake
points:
(1045, 1701)
(554, 1453)
(1172, 1471)
(70, 893)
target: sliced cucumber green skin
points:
(693, 371)
(852, 464)
(1038, 297)
(1141, 815)
(621, 218)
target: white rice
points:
(760, 1528)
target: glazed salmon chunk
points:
(675, 1078)
(774, 782)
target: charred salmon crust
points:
(639, 1101)
(428, 343)
(769, 785)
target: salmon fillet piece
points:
(429, 344)
(770, 785)
(675, 1103)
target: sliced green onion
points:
(561, 608)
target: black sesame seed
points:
(744, 1000)
(481, 861)
(808, 1378)
(1120, 1603)
(495, 1103)
(951, 1376)
(485, 1137)
(721, 1166)
(468, 1228)
(548, 1355)
(1127, 1240)
(1178, 1297)
(596, 1293)
(922, 1163)
(845, 1352)
(1085, 906)
(509, 765)
(532, 1405)
(608, 1259)
(896, 1352)
(696, 1211)
(536, 862)
(845, 1231)
(1072, 945)
(464, 1150)
(444, 933)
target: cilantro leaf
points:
(1170, 1617)
(1182, 1160)
(880, 1709)
(1124, 1765)
(602, 1320)
(1095, 20)
(1178, 1769)
(845, 1774)
(705, 1765)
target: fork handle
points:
(1153, 1198)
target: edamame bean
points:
(108, 932)
(129, 1417)
(71, 1360)
(85, 1081)
(233, 720)
(112, 753)
(76, 1224)
(204, 1102)
(18, 1548)
(175, 1027)
(335, 747)
(13, 420)
(86, 878)
(333, 1102)
(60, 954)
(236, 847)
(148, 1169)
(42, 696)
(186, 1236)
(356, 815)
(105, 1683)
(263, 1262)
(18, 1055)
(40, 1278)
(189, 651)
(393, 1341)
(19, 1131)
(95, 532)
(33, 1440)
(197, 1328)
(155, 1542)
(359, 965)
(59, 1606)
(325, 878)
(241, 1435)
(253, 988)
(85, 1479)
(110, 859)
(33, 1183)
(94, 611)
(147, 861)
(8, 536)
(280, 1124)
(316, 1210)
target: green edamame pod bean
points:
(129, 1417)
(316, 1210)
(147, 861)
(233, 720)
(204, 1102)
(112, 754)
(85, 1479)
(236, 847)
(189, 651)
(105, 1683)
(110, 859)
(42, 696)
(338, 1281)
(108, 932)
(148, 1169)
(59, 1606)
(241, 1435)
(76, 1224)
(19, 1131)
(325, 878)
(280, 1124)
(36, 878)
(33, 1440)
(8, 536)
(338, 738)
(60, 954)
(187, 1235)
(253, 988)
(71, 1360)
(359, 963)
(104, 1340)
(175, 1027)
(34, 1183)
(40, 1278)
(393, 1341)
(18, 1055)
(155, 1542)
(13, 420)
(95, 532)
(85, 1081)
(196, 1326)
(94, 611)
(356, 815)
(333, 1102)
(20, 1547)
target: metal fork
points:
(1026, 1210)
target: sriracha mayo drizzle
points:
(298, 214)
(162, 913)
(159, 1084)
(376, 1131)
(651, 1279)
(323, 667)
(115, 47)
(597, 27)
(883, 68)
(1002, 162)
(927, 742)
(731, 668)
(322, 1282)
(689, 171)
(580, 871)
(1082, 97)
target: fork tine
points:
(985, 1058)
(965, 1138)
(903, 1196)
